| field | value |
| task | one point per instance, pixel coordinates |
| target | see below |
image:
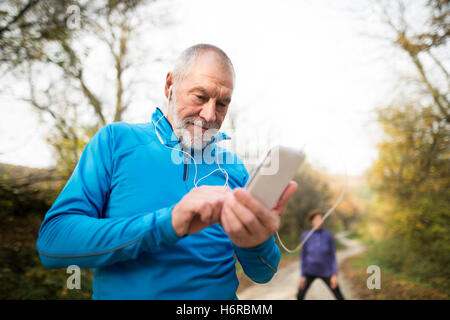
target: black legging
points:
(309, 279)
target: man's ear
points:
(168, 88)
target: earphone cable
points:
(337, 202)
(195, 163)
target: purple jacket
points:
(318, 256)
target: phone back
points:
(273, 174)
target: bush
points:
(398, 256)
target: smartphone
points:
(273, 174)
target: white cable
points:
(195, 163)
(338, 201)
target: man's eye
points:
(202, 98)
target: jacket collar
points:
(167, 134)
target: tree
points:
(26, 26)
(421, 43)
(412, 174)
(55, 69)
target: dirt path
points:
(284, 284)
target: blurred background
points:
(362, 86)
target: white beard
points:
(200, 140)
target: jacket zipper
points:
(186, 170)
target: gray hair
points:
(186, 59)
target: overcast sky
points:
(305, 74)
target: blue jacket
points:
(318, 256)
(114, 215)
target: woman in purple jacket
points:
(318, 258)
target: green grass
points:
(403, 266)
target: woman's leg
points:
(336, 291)
(301, 293)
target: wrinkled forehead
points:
(212, 72)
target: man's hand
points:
(198, 209)
(247, 222)
(333, 281)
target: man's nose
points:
(209, 111)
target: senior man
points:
(156, 227)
